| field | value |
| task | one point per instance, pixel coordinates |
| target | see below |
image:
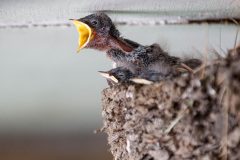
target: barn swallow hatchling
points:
(120, 75)
(97, 31)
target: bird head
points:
(117, 75)
(94, 31)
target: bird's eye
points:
(120, 75)
(94, 22)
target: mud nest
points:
(195, 116)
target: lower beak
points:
(108, 76)
(85, 34)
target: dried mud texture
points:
(191, 117)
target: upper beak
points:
(108, 76)
(85, 33)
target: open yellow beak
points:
(85, 34)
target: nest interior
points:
(194, 116)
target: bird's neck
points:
(119, 43)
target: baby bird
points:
(97, 31)
(123, 75)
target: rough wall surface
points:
(191, 117)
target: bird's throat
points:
(119, 43)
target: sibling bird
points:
(97, 31)
(120, 75)
(117, 75)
